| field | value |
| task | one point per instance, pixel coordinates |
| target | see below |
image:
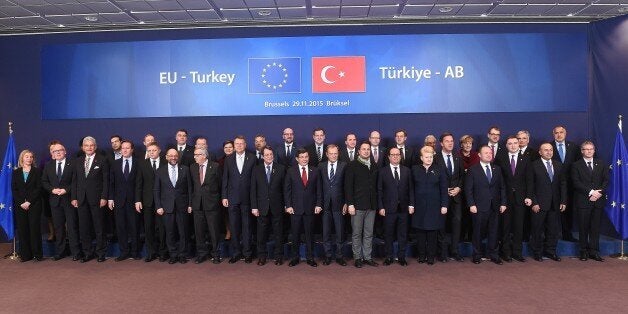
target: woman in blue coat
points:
(431, 200)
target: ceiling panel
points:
(417, 10)
(195, 4)
(326, 12)
(236, 14)
(230, 4)
(530, 1)
(176, 16)
(65, 19)
(135, 5)
(384, 10)
(118, 17)
(260, 3)
(34, 21)
(30, 2)
(103, 7)
(322, 3)
(535, 9)
(76, 8)
(382, 2)
(16, 11)
(165, 5)
(149, 16)
(507, 9)
(204, 15)
(63, 1)
(474, 9)
(354, 11)
(564, 9)
(356, 3)
(577, 1)
(263, 13)
(445, 9)
(45, 9)
(290, 3)
(293, 13)
(598, 9)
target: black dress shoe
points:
(597, 257)
(341, 261)
(327, 261)
(172, 260)
(430, 261)
(87, 258)
(421, 260)
(553, 257)
(279, 261)
(388, 261)
(371, 262)
(518, 258)
(538, 258)
(458, 258)
(200, 259)
(477, 260)
(311, 262)
(38, 258)
(248, 259)
(163, 258)
(101, 259)
(403, 262)
(234, 259)
(497, 261)
(294, 262)
(358, 263)
(57, 257)
(507, 259)
(183, 260)
(584, 256)
(136, 257)
(216, 260)
(149, 258)
(261, 261)
(443, 259)
(77, 257)
(122, 258)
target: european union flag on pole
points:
(6, 195)
(618, 187)
(274, 75)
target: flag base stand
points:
(12, 255)
(621, 256)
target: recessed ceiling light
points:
(61, 25)
(484, 15)
(264, 12)
(445, 9)
(91, 18)
(623, 9)
(140, 22)
(570, 14)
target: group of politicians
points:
(182, 197)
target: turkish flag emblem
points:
(339, 74)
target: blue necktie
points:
(331, 173)
(550, 172)
(488, 173)
(450, 167)
(561, 152)
(126, 169)
(268, 174)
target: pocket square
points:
(96, 167)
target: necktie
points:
(268, 174)
(450, 166)
(513, 165)
(561, 152)
(154, 165)
(201, 173)
(126, 169)
(288, 153)
(493, 150)
(303, 176)
(590, 166)
(173, 176)
(550, 171)
(403, 154)
(87, 166)
(319, 154)
(259, 156)
(240, 163)
(180, 148)
(376, 154)
(396, 174)
(59, 171)
(520, 152)
(351, 155)
(331, 173)
(488, 173)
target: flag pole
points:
(621, 255)
(12, 255)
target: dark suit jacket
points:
(145, 181)
(430, 194)
(268, 196)
(584, 181)
(501, 153)
(382, 159)
(479, 192)
(301, 198)
(95, 186)
(50, 181)
(171, 198)
(531, 152)
(311, 150)
(361, 186)
(206, 196)
(411, 156)
(333, 191)
(516, 185)
(187, 157)
(121, 190)
(456, 179)
(391, 194)
(543, 192)
(343, 154)
(236, 186)
(281, 158)
(572, 152)
(29, 191)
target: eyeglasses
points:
(58, 151)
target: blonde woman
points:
(26, 187)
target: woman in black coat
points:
(26, 187)
(431, 200)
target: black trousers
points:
(91, 220)
(333, 222)
(154, 232)
(65, 221)
(396, 220)
(177, 225)
(545, 222)
(512, 221)
(296, 222)
(206, 227)
(274, 219)
(28, 223)
(589, 226)
(485, 222)
(240, 220)
(426, 243)
(127, 229)
(453, 226)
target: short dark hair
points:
(183, 130)
(511, 137)
(492, 127)
(444, 135)
(318, 129)
(227, 142)
(302, 150)
(115, 136)
(402, 131)
(127, 141)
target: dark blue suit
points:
(302, 199)
(267, 197)
(122, 192)
(454, 210)
(333, 202)
(487, 197)
(236, 188)
(287, 160)
(395, 197)
(513, 219)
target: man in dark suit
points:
(547, 193)
(260, 143)
(57, 180)
(361, 199)
(90, 191)
(143, 153)
(303, 197)
(154, 226)
(486, 197)
(395, 199)
(267, 204)
(173, 200)
(286, 152)
(112, 155)
(122, 175)
(349, 152)
(378, 152)
(523, 137)
(116, 149)
(514, 170)
(565, 152)
(590, 180)
(334, 206)
(409, 157)
(493, 143)
(317, 149)
(236, 196)
(206, 207)
(453, 166)
(186, 151)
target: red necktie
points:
(303, 176)
(202, 173)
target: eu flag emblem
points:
(274, 75)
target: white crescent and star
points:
(324, 77)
